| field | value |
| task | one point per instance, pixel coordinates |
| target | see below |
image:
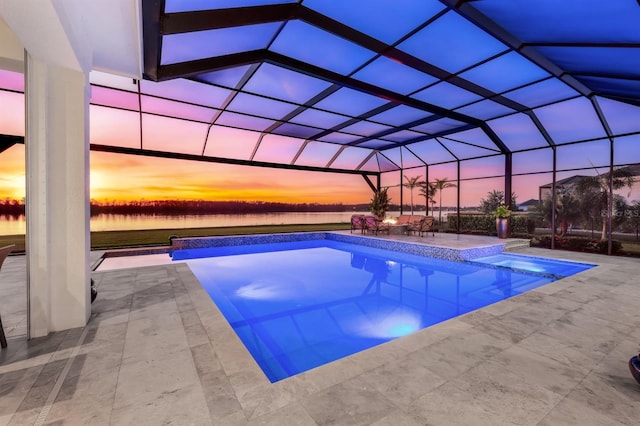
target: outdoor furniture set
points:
(404, 224)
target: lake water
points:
(114, 222)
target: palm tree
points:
(567, 210)
(428, 190)
(597, 189)
(440, 185)
(412, 183)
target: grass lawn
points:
(631, 247)
(160, 237)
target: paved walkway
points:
(158, 351)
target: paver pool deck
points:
(157, 351)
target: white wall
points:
(11, 49)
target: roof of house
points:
(531, 202)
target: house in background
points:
(529, 204)
(567, 183)
(544, 191)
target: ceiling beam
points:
(221, 160)
(391, 52)
(620, 98)
(580, 44)
(151, 37)
(7, 142)
(371, 185)
(387, 132)
(616, 76)
(347, 123)
(201, 66)
(495, 138)
(478, 18)
(203, 20)
(431, 136)
(173, 23)
(193, 68)
(222, 18)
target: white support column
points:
(57, 168)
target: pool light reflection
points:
(261, 290)
(388, 326)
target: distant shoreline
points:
(103, 240)
(194, 207)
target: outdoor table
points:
(398, 229)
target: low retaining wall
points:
(446, 253)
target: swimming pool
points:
(298, 305)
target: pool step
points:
(513, 243)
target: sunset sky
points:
(119, 177)
(128, 177)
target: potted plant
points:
(502, 214)
(380, 203)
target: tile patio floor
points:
(157, 351)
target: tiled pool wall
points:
(241, 240)
(445, 253)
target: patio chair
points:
(4, 252)
(404, 219)
(357, 223)
(375, 225)
(407, 219)
(425, 225)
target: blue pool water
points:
(552, 267)
(299, 305)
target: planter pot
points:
(503, 228)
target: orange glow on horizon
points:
(12, 180)
(123, 178)
(126, 178)
(129, 178)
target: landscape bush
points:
(486, 224)
(577, 244)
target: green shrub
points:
(542, 242)
(531, 226)
(577, 244)
(487, 224)
(468, 223)
(603, 246)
